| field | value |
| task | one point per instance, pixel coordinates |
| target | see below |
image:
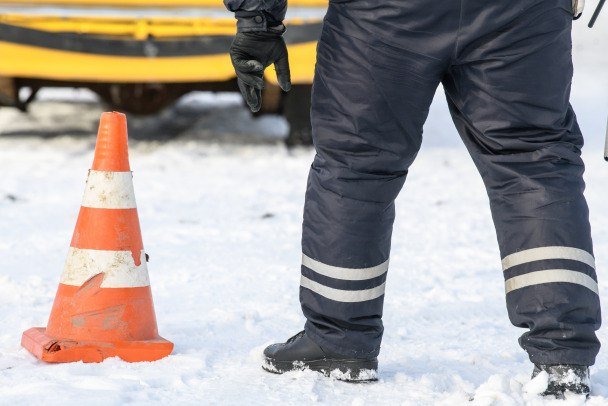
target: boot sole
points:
(353, 370)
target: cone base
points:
(52, 349)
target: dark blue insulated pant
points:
(506, 69)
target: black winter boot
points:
(562, 378)
(300, 352)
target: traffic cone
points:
(103, 307)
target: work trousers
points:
(506, 67)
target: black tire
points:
(296, 109)
(140, 98)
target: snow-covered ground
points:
(220, 208)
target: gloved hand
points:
(251, 53)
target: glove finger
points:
(247, 65)
(255, 81)
(283, 73)
(256, 100)
(252, 96)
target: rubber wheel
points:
(140, 98)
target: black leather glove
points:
(251, 53)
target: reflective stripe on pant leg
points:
(549, 275)
(376, 273)
(537, 254)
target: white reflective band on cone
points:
(551, 276)
(544, 253)
(339, 295)
(109, 190)
(118, 267)
(347, 274)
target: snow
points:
(220, 203)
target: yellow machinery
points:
(141, 61)
(151, 3)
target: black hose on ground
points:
(596, 13)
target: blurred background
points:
(155, 60)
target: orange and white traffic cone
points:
(103, 307)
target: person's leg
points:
(509, 96)
(369, 103)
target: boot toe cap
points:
(271, 350)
